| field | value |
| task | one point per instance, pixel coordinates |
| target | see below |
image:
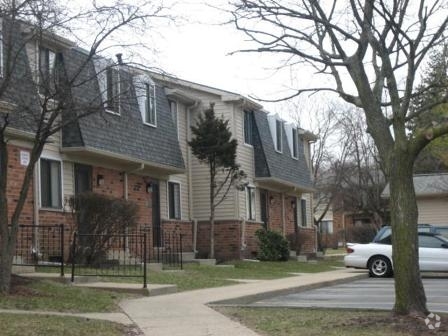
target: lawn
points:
(195, 276)
(33, 325)
(51, 296)
(317, 322)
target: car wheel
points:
(380, 267)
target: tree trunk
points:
(212, 234)
(409, 292)
(212, 210)
(5, 269)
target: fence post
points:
(61, 227)
(73, 256)
(181, 255)
(144, 262)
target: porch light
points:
(149, 187)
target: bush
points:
(103, 217)
(361, 234)
(273, 246)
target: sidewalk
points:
(187, 313)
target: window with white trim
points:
(326, 226)
(109, 84)
(248, 128)
(50, 184)
(145, 91)
(150, 104)
(174, 111)
(49, 63)
(295, 143)
(250, 203)
(174, 206)
(278, 135)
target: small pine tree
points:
(213, 145)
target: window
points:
(174, 200)
(173, 110)
(278, 135)
(150, 104)
(295, 143)
(248, 127)
(250, 203)
(112, 90)
(429, 241)
(49, 62)
(50, 184)
(303, 211)
(326, 227)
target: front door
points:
(157, 234)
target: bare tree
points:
(42, 100)
(373, 50)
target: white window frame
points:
(168, 198)
(244, 127)
(295, 146)
(102, 67)
(251, 213)
(277, 136)
(176, 117)
(148, 105)
(61, 171)
(118, 88)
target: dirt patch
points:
(409, 325)
(20, 287)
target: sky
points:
(198, 49)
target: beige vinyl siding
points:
(163, 188)
(433, 211)
(200, 174)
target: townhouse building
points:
(133, 144)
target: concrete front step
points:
(151, 290)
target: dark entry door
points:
(157, 234)
(264, 208)
(83, 178)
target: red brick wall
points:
(180, 227)
(227, 240)
(289, 215)
(275, 212)
(16, 174)
(307, 238)
(250, 250)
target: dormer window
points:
(295, 143)
(150, 104)
(49, 62)
(278, 135)
(145, 91)
(248, 127)
(109, 85)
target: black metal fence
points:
(40, 245)
(110, 255)
(113, 255)
(169, 251)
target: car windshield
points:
(384, 234)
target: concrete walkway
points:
(113, 317)
(187, 313)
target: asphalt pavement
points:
(360, 294)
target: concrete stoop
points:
(205, 262)
(151, 290)
(16, 269)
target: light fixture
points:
(99, 180)
(149, 187)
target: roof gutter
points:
(294, 186)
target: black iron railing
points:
(40, 245)
(110, 255)
(168, 251)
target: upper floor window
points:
(248, 127)
(150, 104)
(174, 200)
(109, 85)
(278, 135)
(50, 184)
(295, 143)
(49, 62)
(174, 113)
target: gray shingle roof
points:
(426, 185)
(126, 134)
(272, 164)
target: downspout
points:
(283, 215)
(36, 206)
(190, 178)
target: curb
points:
(248, 299)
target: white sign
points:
(24, 158)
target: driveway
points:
(360, 294)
